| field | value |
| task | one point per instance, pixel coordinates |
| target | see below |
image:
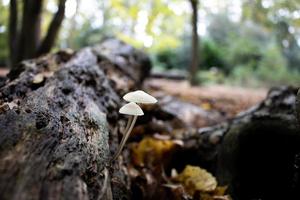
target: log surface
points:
(54, 131)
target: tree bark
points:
(195, 42)
(55, 132)
(30, 30)
(53, 29)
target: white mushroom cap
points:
(131, 109)
(139, 96)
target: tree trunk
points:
(13, 20)
(56, 131)
(30, 30)
(53, 30)
(195, 43)
(24, 42)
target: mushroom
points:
(134, 111)
(140, 96)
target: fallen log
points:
(171, 74)
(57, 114)
(256, 153)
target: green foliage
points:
(212, 76)
(179, 58)
(168, 59)
(87, 36)
(221, 29)
(211, 55)
(3, 34)
(270, 70)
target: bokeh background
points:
(251, 43)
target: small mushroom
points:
(134, 111)
(140, 96)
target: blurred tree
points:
(72, 31)
(280, 17)
(155, 25)
(3, 34)
(195, 43)
(25, 32)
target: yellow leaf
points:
(220, 190)
(152, 151)
(195, 179)
(206, 106)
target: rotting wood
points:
(55, 137)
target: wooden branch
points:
(172, 75)
(53, 29)
(13, 21)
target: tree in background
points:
(3, 34)
(25, 33)
(195, 40)
(282, 17)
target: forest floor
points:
(162, 142)
(3, 71)
(222, 98)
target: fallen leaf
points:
(12, 105)
(206, 106)
(195, 179)
(151, 151)
(38, 78)
(48, 74)
(220, 190)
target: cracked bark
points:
(55, 135)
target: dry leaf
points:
(152, 151)
(220, 190)
(196, 179)
(12, 105)
(38, 78)
(206, 106)
(48, 74)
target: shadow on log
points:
(55, 120)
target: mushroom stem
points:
(125, 137)
(128, 124)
